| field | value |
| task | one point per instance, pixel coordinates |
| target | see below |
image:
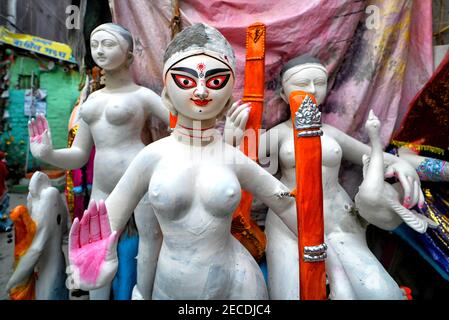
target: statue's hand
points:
(40, 137)
(92, 249)
(409, 180)
(235, 125)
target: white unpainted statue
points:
(45, 255)
(352, 269)
(194, 183)
(378, 201)
(112, 119)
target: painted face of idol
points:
(109, 51)
(309, 79)
(199, 86)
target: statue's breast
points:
(287, 154)
(91, 110)
(178, 190)
(331, 151)
(119, 111)
(170, 190)
(219, 190)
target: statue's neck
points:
(118, 78)
(192, 131)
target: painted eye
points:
(184, 82)
(217, 82)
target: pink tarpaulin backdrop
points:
(380, 68)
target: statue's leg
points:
(282, 260)
(150, 241)
(368, 278)
(247, 281)
(339, 283)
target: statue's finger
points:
(407, 189)
(44, 121)
(30, 130)
(94, 227)
(242, 118)
(84, 228)
(39, 126)
(233, 107)
(45, 137)
(33, 127)
(421, 200)
(238, 111)
(74, 236)
(105, 226)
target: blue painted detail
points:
(126, 276)
(426, 248)
(264, 268)
(77, 190)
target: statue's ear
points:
(167, 102)
(130, 59)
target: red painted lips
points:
(201, 103)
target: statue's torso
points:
(115, 121)
(335, 199)
(194, 200)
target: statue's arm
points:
(130, 189)
(156, 107)
(353, 150)
(429, 169)
(266, 188)
(77, 155)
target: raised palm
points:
(40, 137)
(236, 119)
(92, 249)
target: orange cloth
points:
(309, 205)
(25, 230)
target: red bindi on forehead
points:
(201, 67)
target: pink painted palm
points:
(40, 137)
(92, 249)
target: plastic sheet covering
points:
(377, 60)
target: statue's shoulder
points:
(281, 129)
(145, 91)
(156, 150)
